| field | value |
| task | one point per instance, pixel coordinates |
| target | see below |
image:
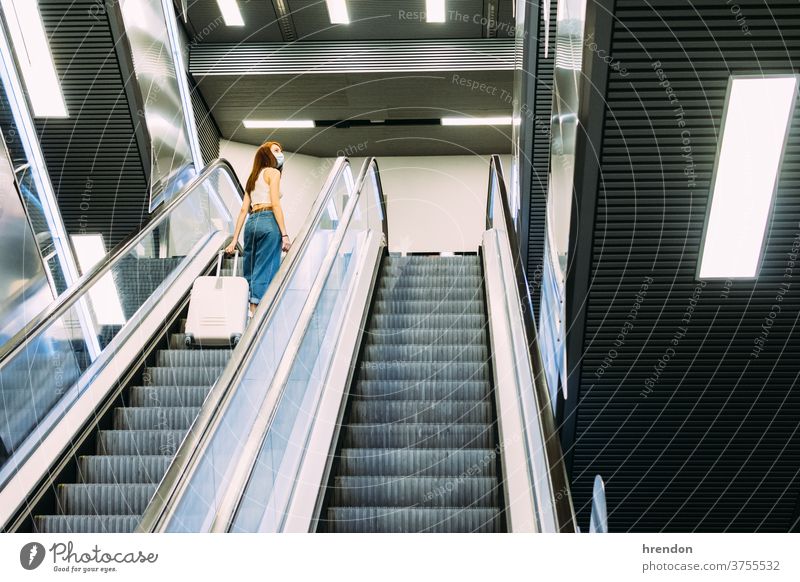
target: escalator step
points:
(181, 376)
(426, 337)
(199, 358)
(418, 462)
(429, 294)
(456, 281)
(437, 391)
(86, 523)
(168, 395)
(463, 322)
(434, 268)
(139, 442)
(424, 436)
(105, 499)
(424, 309)
(154, 417)
(407, 491)
(450, 371)
(400, 259)
(416, 411)
(124, 469)
(412, 520)
(439, 352)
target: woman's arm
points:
(273, 178)
(231, 248)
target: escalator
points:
(90, 458)
(418, 447)
(111, 487)
(409, 397)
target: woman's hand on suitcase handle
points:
(231, 248)
(285, 243)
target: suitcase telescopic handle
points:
(235, 262)
(219, 263)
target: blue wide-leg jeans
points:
(262, 252)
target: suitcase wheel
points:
(188, 339)
(235, 338)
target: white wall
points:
(434, 203)
(301, 181)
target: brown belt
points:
(262, 209)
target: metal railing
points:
(547, 475)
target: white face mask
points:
(279, 158)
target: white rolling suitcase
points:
(218, 308)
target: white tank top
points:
(261, 193)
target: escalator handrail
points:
(196, 441)
(564, 512)
(66, 300)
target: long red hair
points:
(264, 158)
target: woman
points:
(265, 233)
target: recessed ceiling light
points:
(434, 10)
(758, 112)
(34, 58)
(278, 123)
(476, 120)
(230, 12)
(337, 11)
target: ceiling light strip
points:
(757, 115)
(337, 11)
(278, 123)
(34, 58)
(451, 121)
(435, 11)
(230, 12)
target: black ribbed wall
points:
(207, 130)
(714, 443)
(92, 156)
(540, 157)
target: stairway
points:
(418, 451)
(114, 486)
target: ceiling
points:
(412, 96)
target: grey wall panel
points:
(690, 429)
(92, 155)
